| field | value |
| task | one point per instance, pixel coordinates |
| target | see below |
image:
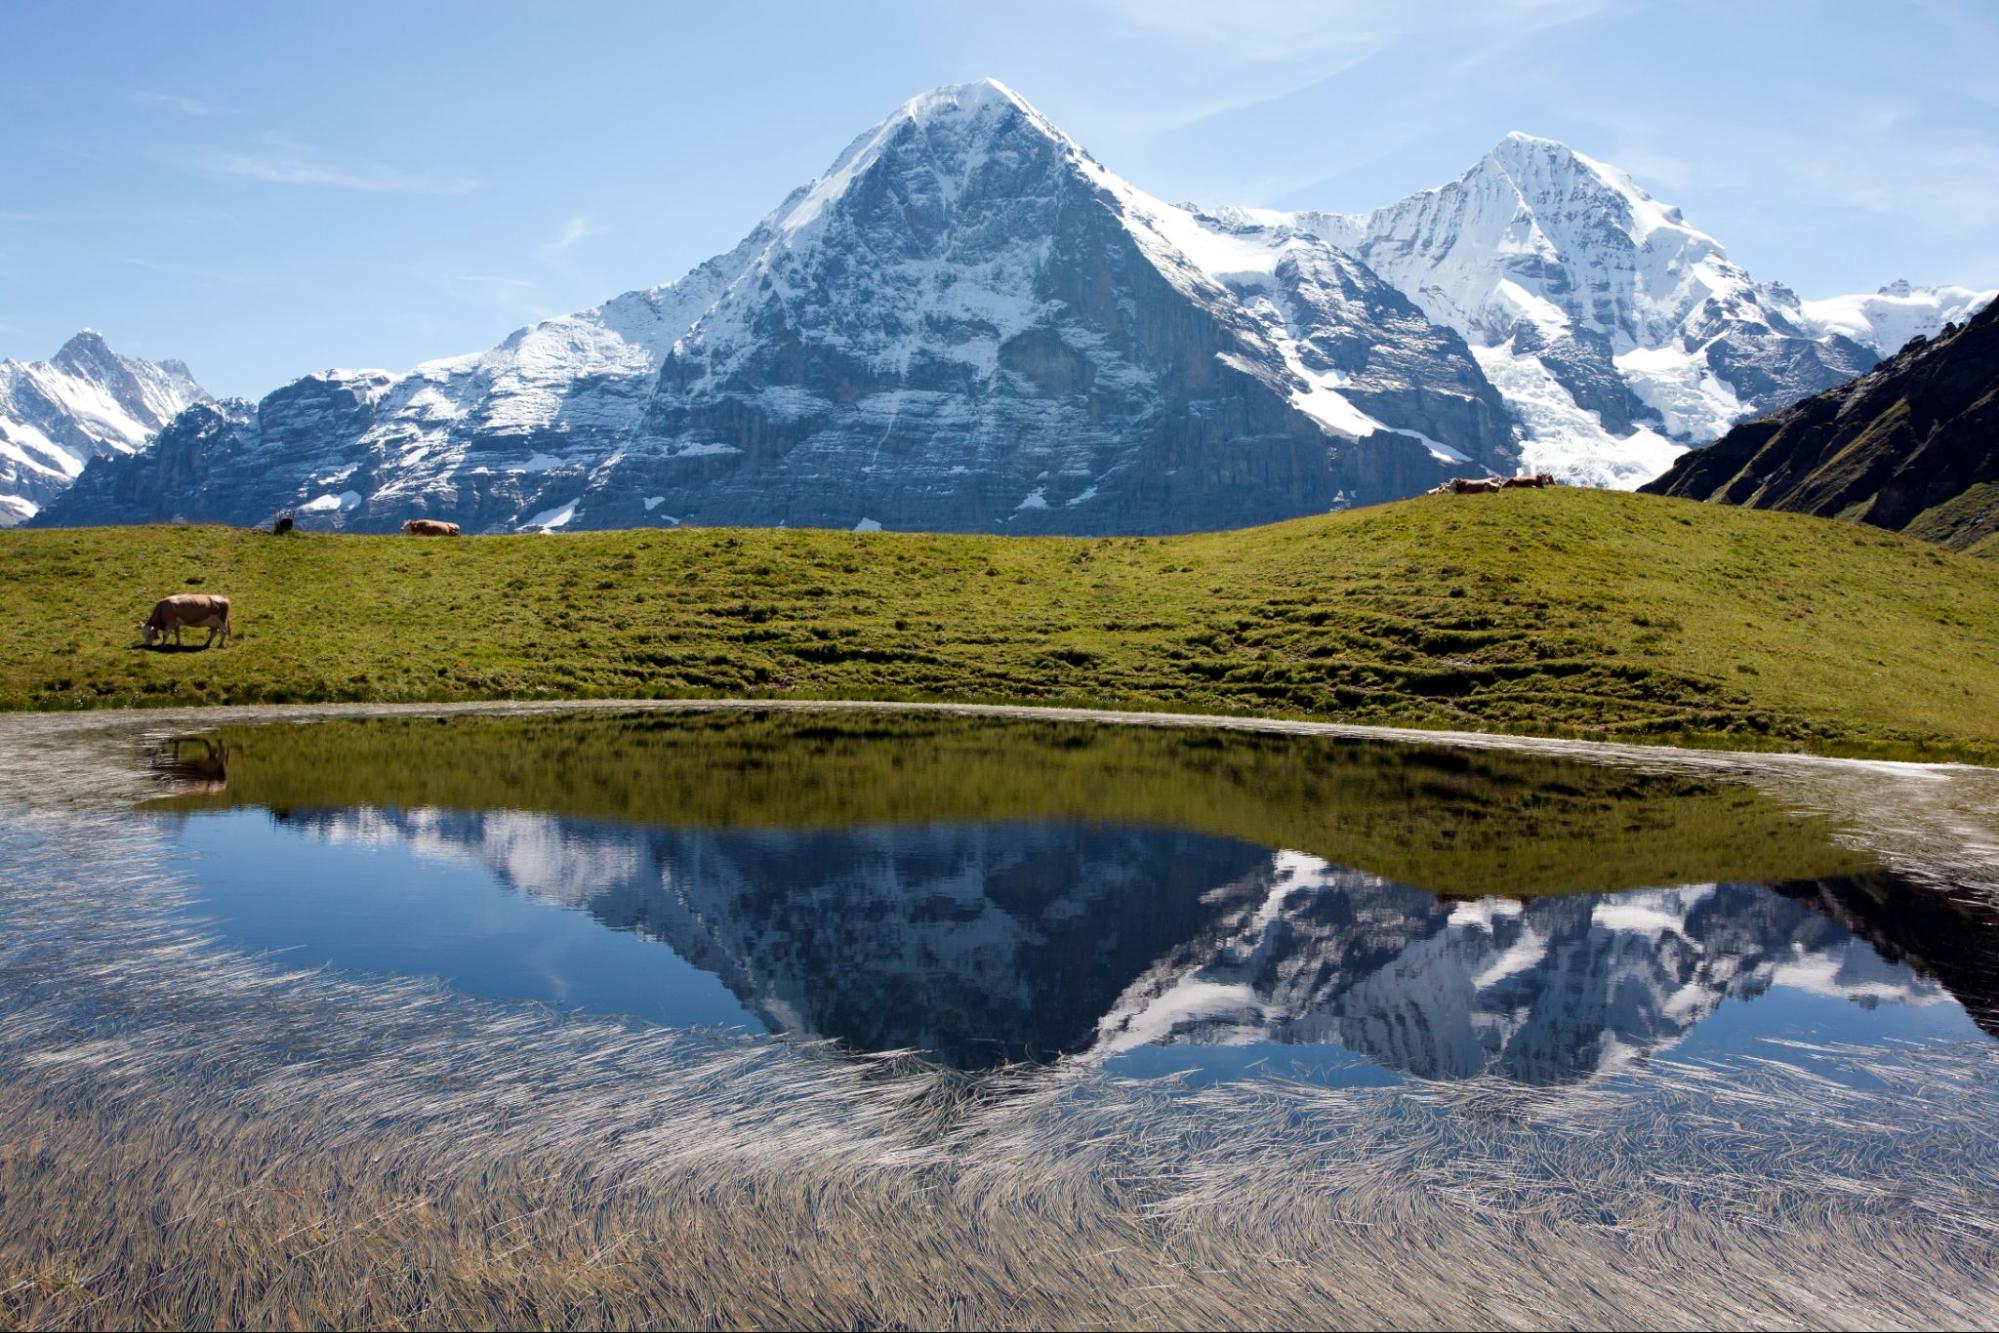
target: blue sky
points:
(264, 190)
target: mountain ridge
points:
(1619, 332)
(967, 323)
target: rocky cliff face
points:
(967, 323)
(1910, 446)
(84, 402)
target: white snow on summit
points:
(84, 402)
(1619, 333)
(1887, 319)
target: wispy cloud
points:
(284, 163)
(573, 230)
(1261, 53)
(187, 106)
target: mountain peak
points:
(982, 102)
(86, 349)
(1514, 140)
(957, 120)
(84, 402)
(973, 96)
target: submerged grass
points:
(193, 1138)
(1561, 612)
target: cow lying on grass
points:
(188, 610)
(1485, 485)
(430, 527)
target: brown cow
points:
(191, 764)
(430, 527)
(1538, 479)
(183, 610)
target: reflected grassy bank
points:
(1442, 819)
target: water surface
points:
(1207, 904)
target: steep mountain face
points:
(967, 323)
(84, 402)
(1619, 333)
(983, 943)
(1913, 446)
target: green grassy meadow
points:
(1564, 612)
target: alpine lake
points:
(879, 1017)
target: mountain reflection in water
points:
(1054, 927)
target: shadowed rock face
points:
(966, 324)
(987, 943)
(1907, 447)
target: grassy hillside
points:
(1563, 612)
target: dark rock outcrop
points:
(1912, 446)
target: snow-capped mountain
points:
(988, 942)
(1890, 317)
(84, 402)
(966, 323)
(1619, 333)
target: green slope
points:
(1565, 612)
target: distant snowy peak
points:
(1536, 232)
(84, 402)
(1887, 319)
(1618, 333)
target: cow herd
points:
(1484, 485)
(200, 610)
(206, 611)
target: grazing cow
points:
(282, 524)
(184, 610)
(430, 527)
